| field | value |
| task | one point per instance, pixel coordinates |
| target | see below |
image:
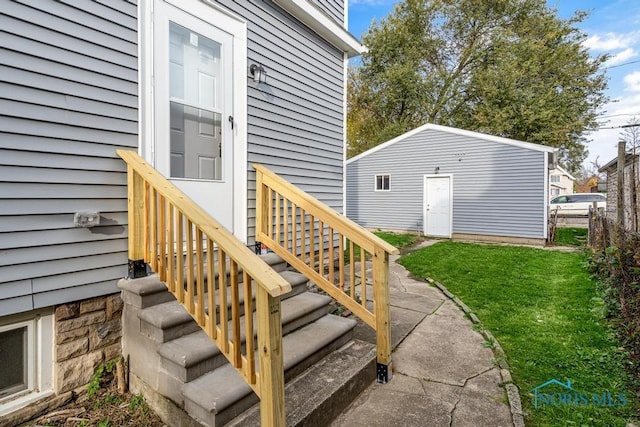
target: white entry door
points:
(438, 207)
(193, 105)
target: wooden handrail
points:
(265, 276)
(313, 238)
(357, 233)
(200, 261)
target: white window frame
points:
(375, 182)
(39, 358)
(555, 179)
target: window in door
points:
(195, 115)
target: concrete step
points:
(298, 285)
(188, 357)
(144, 292)
(317, 396)
(273, 260)
(219, 396)
(168, 321)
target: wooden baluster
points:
(269, 212)
(321, 253)
(294, 224)
(303, 235)
(162, 230)
(145, 220)
(222, 296)
(235, 315)
(211, 290)
(332, 260)
(153, 228)
(341, 260)
(271, 363)
(352, 270)
(180, 258)
(171, 252)
(200, 277)
(277, 232)
(363, 278)
(286, 224)
(190, 293)
(312, 242)
(250, 370)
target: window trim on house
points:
(556, 180)
(39, 368)
(382, 179)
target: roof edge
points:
(456, 131)
(327, 28)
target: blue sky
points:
(612, 27)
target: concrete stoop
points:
(187, 381)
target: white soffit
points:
(314, 18)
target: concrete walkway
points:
(443, 375)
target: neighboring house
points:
(631, 165)
(82, 79)
(446, 182)
(560, 182)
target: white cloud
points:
(633, 81)
(606, 42)
(621, 57)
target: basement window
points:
(383, 183)
(26, 349)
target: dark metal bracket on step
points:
(382, 373)
(136, 268)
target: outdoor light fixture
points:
(258, 73)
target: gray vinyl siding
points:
(295, 120)
(333, 8)
(68, 100)
(498, 189)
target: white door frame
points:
(424, 201)
(237, 27)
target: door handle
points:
(231, 121)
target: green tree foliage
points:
(511, 68)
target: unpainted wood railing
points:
(202, 263)
(328, 248)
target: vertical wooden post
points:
(383, 314)
(620, 200)
(271, 363)
(135, 208)
(261, 204)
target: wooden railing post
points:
(271, 362)
(261, 205)
(383, 315)
(135, 207)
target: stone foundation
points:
(87, 334)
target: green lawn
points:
(544, 309)
(398, 240)
(570, 236)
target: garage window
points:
(383, 183)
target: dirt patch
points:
(101, 405)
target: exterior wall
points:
(296, 118)
(612, 192)
(87, 334)
(498, 189)
(333, 8)
(68, 75)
